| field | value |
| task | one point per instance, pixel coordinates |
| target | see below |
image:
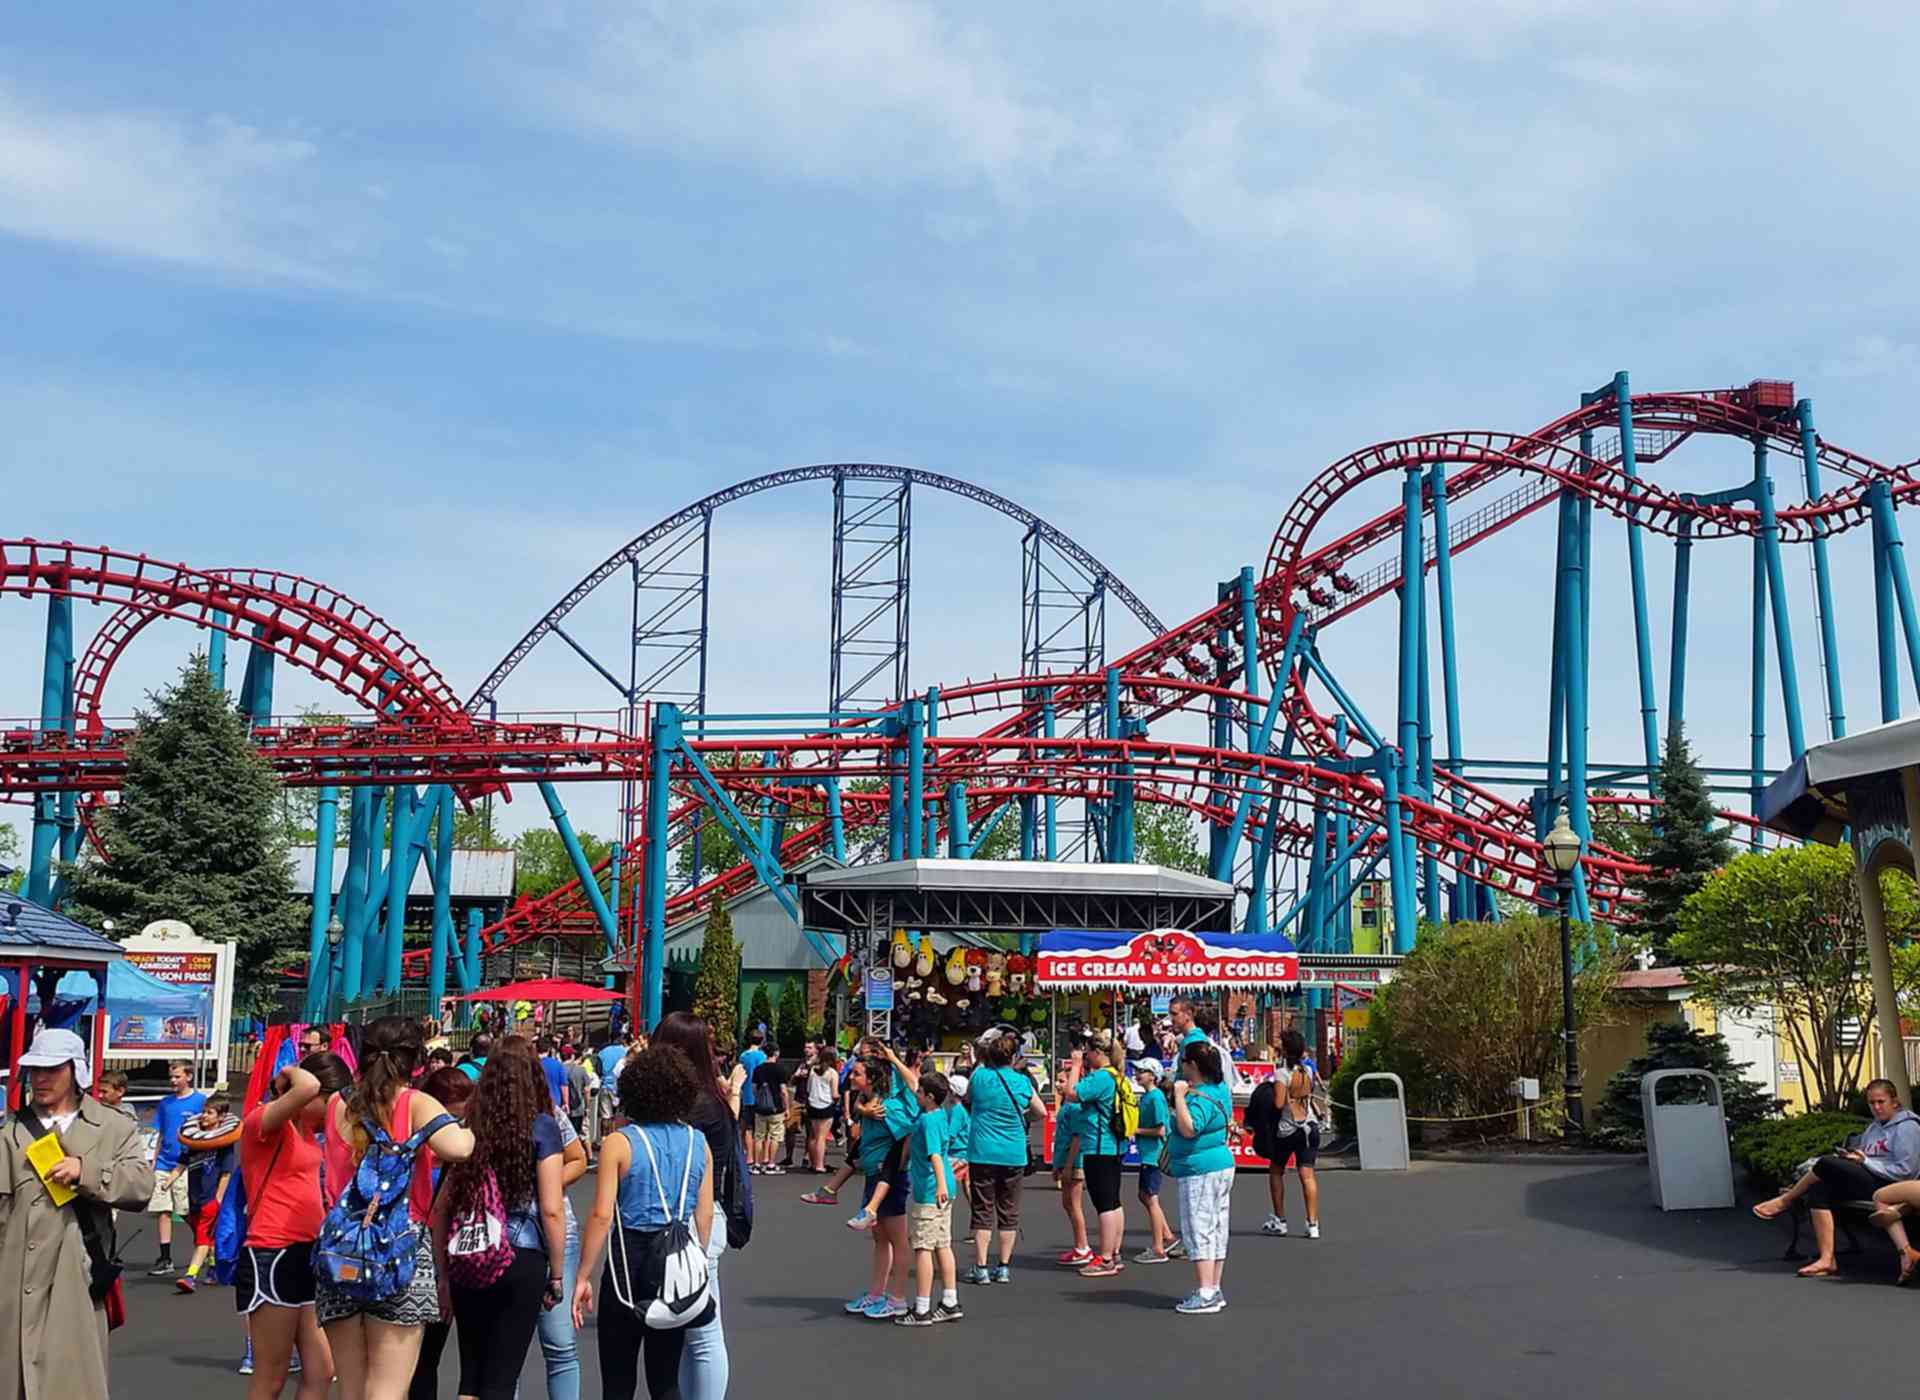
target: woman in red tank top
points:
(375, 1344)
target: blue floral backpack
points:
(368, 1240)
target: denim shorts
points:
(1150, 1178)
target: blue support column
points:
(353, 893)
(1637, 565)
(1311, 937)
(930, 839)
(916, 778)
(1889, 667)
(217, 651)
(1430, 861)
(1880, 497)
(441, 868)
(582, 867)
(1343, 869)
(319, 954)
(896, 817)
(256, 687)
(836, 822)
(1574, 681)
(1412, 562)
(56, 709)
(1777, 596)
(470, 964)
(1449, 658)
(1399, 861)
(1677, 657)
(1221, 710)
(1029, 827)
(1822, 578)
(959, 847)
(666, 739)
(1758, 751)
(411, 811)
(1047, 722)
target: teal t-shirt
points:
(997, 1102)
(1193, 1033)
(1153, 1114)
(1210, 1106)
(959, 1130)
(929, 1141)
(903, 1111)
(876, 1141)
(1066, 1123)
(1095, 1093)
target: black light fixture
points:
(1562, 847)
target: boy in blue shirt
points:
(1152, 1139)
(930, 1216)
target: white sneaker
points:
(1275, 1225)
(1313, 1229)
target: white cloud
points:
(214, 193)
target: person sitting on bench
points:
(1893, 1201)
(1889, 1151)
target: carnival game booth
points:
(1169, 962)
(38, 948)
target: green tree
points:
(792, 1023)
(297, 810)
(1167, 835)
(1671, 1045)
(1783, 929)
(10, 856)
(541, 863)
(195, 836)
(760, 1009)
(716, 981)
(477, 830)
(1687, 845)
(1618, 828)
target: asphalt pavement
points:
(1448, 1280)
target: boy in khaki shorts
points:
(930, 1212)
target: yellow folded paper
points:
(46, 1153)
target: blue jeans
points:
(703, 1365)
(556, 1330)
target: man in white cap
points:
(60, 1260)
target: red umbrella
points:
(544, 989)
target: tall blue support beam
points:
(1029, 827)
(1430, 861)
(1412, 564)
(1399, 859)
(1571, 592)
(1221, 714)
(1888, 668)
(353, 894)
(217, 651)
(1343, 863)
(1249, 640)
(1047, 723)
(256, 687)
(836, 822)
(1759, 682)
(412, 810)
(1449, 646)
(1637, 567)
(896, 817)
(56, 712)
(916, 778)
(1880, 497)
(1677, 657)
(652, 967)
(319, 959)
(582, 867)
(959, 844)
(470, 964)
(441, 868)
(1257, 744)
(930, 841)
(1822, 578)
(1777, 597)
(1313, 933)
(1262, 862)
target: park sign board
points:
(1164, 960)
(168, 950)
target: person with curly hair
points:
(517, 1150)
(376, 1343)
(657, 1170)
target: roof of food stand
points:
(1012, 896)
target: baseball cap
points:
(1148, 1065)
(958, 1083)
(53, 1048)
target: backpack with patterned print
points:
(368, 1241)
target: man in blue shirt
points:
(1181, 1014)
(556, 1073)
(755, 1054)
(169, 1162)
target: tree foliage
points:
(791, 1022)
(716, 983)
(196, 836)
(1671, 1045)
(760, 1009)
(1783, 929)
(1476, 1006)
(478, 830)
(541, 863)
(1686, 846)
(10, 856)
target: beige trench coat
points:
(55, 1346)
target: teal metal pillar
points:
(319, 953)
(1449, 663)
(1637, 566)
(666, 739)
(256, 686)
(1047, 722)
(1399, 861)
(1822, 578)
(1412, 563)
(217, 650)
(930, 838)
(1880, 498)
(959, 847)
(1343, 869)
(472, 961)
(916, 778)
(56, 714)
(1570, 591)
(1777, 595)
(1677, 657)
(836, 822)
(441, 870)
(411, 811)
(353, 893)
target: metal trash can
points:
(1381, 1126)
(1687, 1155)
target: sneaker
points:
(913, 1319)
(246, 1362)
(1074, 1258)
(293, 1364)
(1003, 1274)
(943, 1313)
(1274, 1225)
(821, 1197)
(1313, 1229)
(183, 1284)
(1200, 1303)
(863, 1302)
(164, 1269)
(1101, 1268)
(880, 1309)
(977, 1274)
(773, 1169)
(753, 1169)
(1177, 1249)
(863, 1220)
(1149, 1256)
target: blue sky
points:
(442, 305)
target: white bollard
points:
(1687, 1155)
(1381, 1126)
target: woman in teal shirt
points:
(1001, 1101)
(1199, 1159)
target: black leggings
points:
(496, 1326)
(625, 1339)
(1103, 1182)
(426, 1371)
(1837, 1179)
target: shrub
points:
(1772, 1150)
(1670, 1045)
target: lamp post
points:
(1563, 854)
(335, 932)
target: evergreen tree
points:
(1671, 1045)
(760, 1010)
(196, 836)
(792, 1033)
(716, 979)
(1687, 845)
